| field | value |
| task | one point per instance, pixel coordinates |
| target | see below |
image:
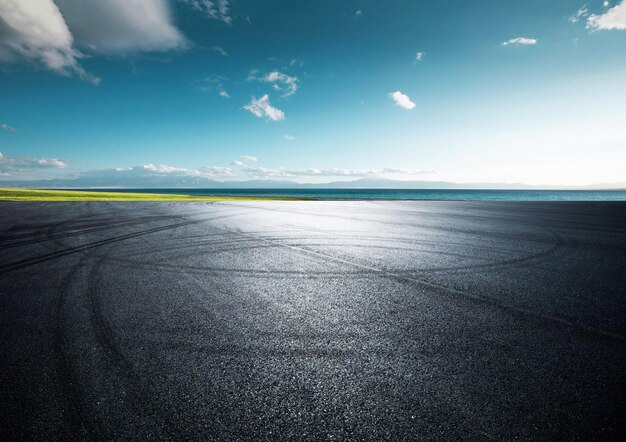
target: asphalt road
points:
(312, 320)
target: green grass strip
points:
(81, 195)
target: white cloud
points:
(224, 94)
(614, 18)
(52, 162)
(220, 50)
(214, 9)
(358, 12)
(118, 26)
(419, 56)
(289, 137)
(402, 100)
(263, 108)
(243, 160)
(48, 33)
(262, 172)
(35, 31)
(162, 169)
(281, 82)
(6, 127)
(23, 165)
(524, 41)
(583, 11)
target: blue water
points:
(407, 194)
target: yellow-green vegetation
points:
(82, 195)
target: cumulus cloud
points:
(289, 137)
(263, 108)
(213, 9)
(35, 31)
(249, 158)
(583, 11)
(419, 56)
(23, 165)
(8, 128)
(48, 33)
(115, 26)
(238, 163)
(523, 41)
(613, 19)
(224, 94)
(402, 100)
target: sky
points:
(497, 91)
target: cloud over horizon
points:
(11, 166)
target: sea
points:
(404, 194)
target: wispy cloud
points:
(520, 41)
(613, 19)
(220, 50)
(8, 128)
(419, 56)
(358, 12)
(583, 11)
(238, 163)
(289, 137)
(249, 158)
(213, 9)
(214, 84)
(402, 100)
(263, 108)
(280, 81)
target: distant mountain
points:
(195, 182)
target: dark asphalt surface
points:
(312, 320)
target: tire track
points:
(17, 265)
(141, 397)
(441, 289)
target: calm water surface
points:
(407, 194)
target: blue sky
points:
(480, 91)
